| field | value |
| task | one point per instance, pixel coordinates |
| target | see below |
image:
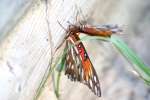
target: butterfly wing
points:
(110, 27)
(78, 65)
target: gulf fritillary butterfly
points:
(78, 66)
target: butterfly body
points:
(100, 30)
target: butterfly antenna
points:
(61, 25)
(79, 11)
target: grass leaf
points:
(131, 56)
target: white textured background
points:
(25, 52)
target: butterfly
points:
(78, 66)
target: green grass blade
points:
(44, 79)
(138, 65)
(61, 67)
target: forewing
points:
(73, 63)
(80, 68)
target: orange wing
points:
(78, 65)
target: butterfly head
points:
(74, 28)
